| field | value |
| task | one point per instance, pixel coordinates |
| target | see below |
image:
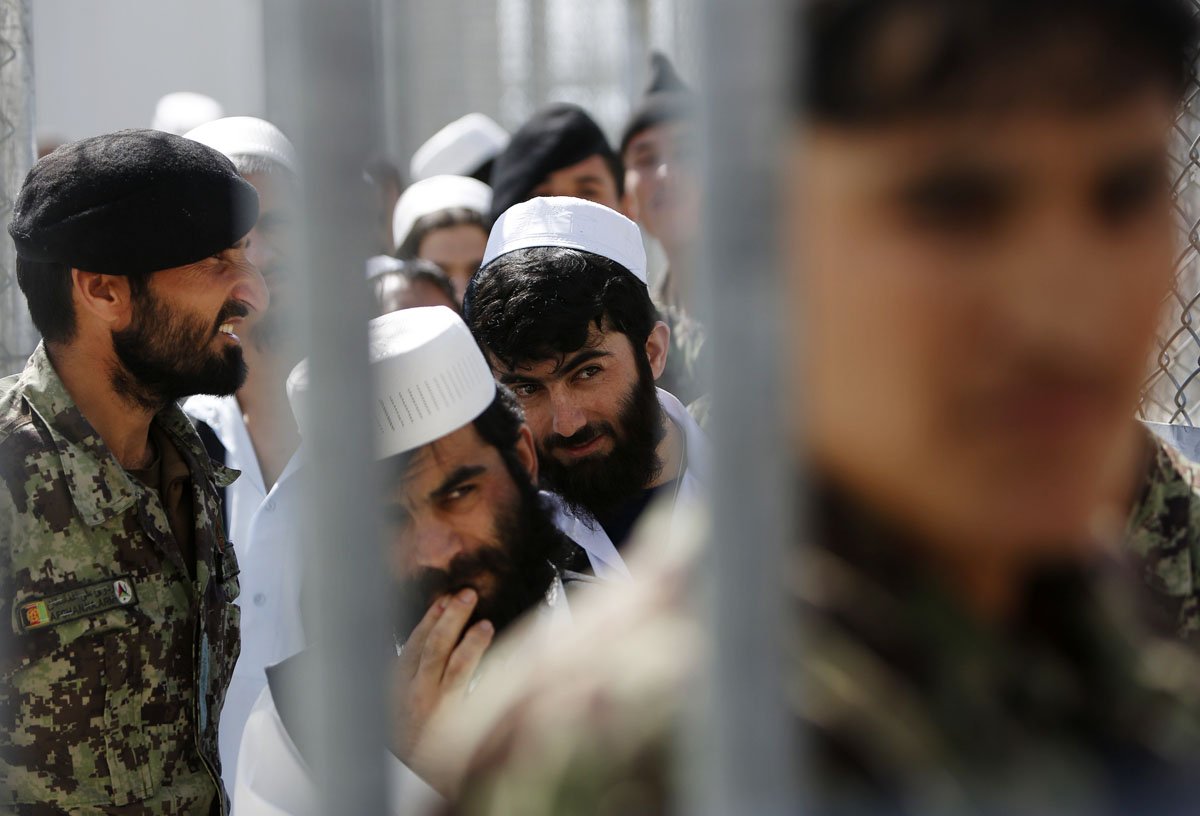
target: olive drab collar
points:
(100, 488)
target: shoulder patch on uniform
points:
(77, 603)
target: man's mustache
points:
(583, 436)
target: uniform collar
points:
(100, 488)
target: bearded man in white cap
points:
(560, 307)
(470, 543)
(254, 431)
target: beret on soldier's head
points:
(131, 202)
(667, 99)
(557, 136)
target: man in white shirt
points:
(254, 431)
(470, 542)
(561, 309)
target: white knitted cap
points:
(430, 379)
(460, 148)
(181, 111)
(434, 194)
(573, 223)
(247, 136)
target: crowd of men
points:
(997, 605)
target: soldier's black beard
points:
(521, 564)
(164, 355)
(597, 484)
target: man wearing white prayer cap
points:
(441, 219)
(182, 111)
(254, 431)
(470, 543)
(560, 307)
(465, 147)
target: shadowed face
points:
(977, 298)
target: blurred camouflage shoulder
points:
(1163, 536)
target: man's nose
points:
(435, 545)
(566, 418)
(249, 286)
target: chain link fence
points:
(17, 337)
(1171, 392)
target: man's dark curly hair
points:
(541, 303)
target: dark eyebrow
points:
(560, 370)
(455, 479)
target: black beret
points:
(667, 99)
(131, 202)
(557, 136)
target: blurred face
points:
(659, 174)
(458, 251)
(269, 243)
(590, 179)
(457, 517)
(978, 296)
(595, 417)
(182, 337)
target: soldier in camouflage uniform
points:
(987, 240)
(117, 581)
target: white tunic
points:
(273, 779)
(262, 527)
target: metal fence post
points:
(17, 152)
(329, 92)
(745, 759)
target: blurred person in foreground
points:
(442, 219)
(117, 580)
(562, 311)
(253, 431)
(406, 284)
(983, 228)
(470, 545)
(658, 151)
(560, 151)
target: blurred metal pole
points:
(331, 59)
(17, 152)
(745, 759)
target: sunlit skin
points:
(448, 501)
(560, 396)
(660, 176)
(104, 304)
(976, 299)
(590, 179)
(458, 251)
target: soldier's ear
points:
(106, 298)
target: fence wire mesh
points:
(1171, 392)
(17, 338)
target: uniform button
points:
(259, 599)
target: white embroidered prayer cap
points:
(435, 194)
(430, 378)
(246, 136)
(573, 223)
(182, 111)
(460, 148)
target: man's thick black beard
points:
(598, 484)
(528, 549)
(163, 356)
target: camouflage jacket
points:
(907, 704)
(1164, 538)
(116, 653)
